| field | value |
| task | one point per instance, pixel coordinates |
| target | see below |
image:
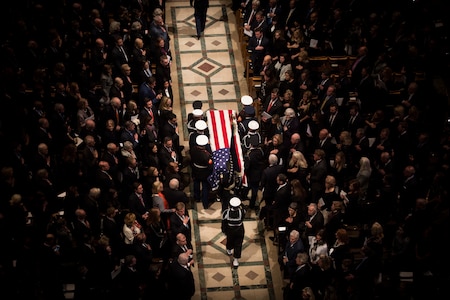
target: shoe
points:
(229, 252)
(198, 37)
(272, 238)
(235, 262)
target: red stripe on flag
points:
(214, 137)
(223, 121)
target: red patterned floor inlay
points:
(205, 67)
(195, 93)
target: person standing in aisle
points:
(233, 228)
(200, 9)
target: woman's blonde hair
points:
(298, 159)
(129, 219)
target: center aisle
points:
(210, 70)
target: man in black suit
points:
(180, 222)
(181, 279)
(272, 105)
(254, 167)
(317, 175)
(114, 111)
(167, 153)
(326, 94)
(258, 44)
(131, 175)
(313, 223)
(295, 143)
(112, 229)
(354, 120)
(281, 201)
(300, 277)
(324, 142)
(182, 245)
(111, 157)
(170, 129)
(334, 121)
(361, 145)
(357, 66)
(119, 56)
(269, 186)
(104, 180)
(138, 203)
(174, 194)
(200, 9)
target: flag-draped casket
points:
(228, 161)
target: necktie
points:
(331, 119)
(270, 105)
(352, 119)
(258, 42)
(185, 248)
(290, 14)
(117, 117)
(141, 199)
(251, 17)
(150, 112)
(124, 54)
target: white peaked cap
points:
(235, 202)
(200, 125)
(246, 100)
(201, 140)
(197, 112)
(253, 125)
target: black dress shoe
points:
(272, 238)
(198, 37)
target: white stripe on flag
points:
(220, 128)
(220, 123)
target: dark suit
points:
(200, 7)
(254, 166)
(177, 250)
(317, 223)
(328, 147)
(281, 203)
(146, 92)
(175, 196)
(290, 251)
(317, 179)
(109, 113)
(257, 56)
(135, 205)
(335, 125)
(118, 58)
(269, 182)
(181, 282)
(165, 157)
(353, 123)
(177, 226)
(299, 280)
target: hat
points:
(200, 125)
(235, 201)
(253, 125)
(201, 140)
(197, 112)
(249, 110)
(197, 104)
(246, 100)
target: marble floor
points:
(210, 70)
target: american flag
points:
(225, 144)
